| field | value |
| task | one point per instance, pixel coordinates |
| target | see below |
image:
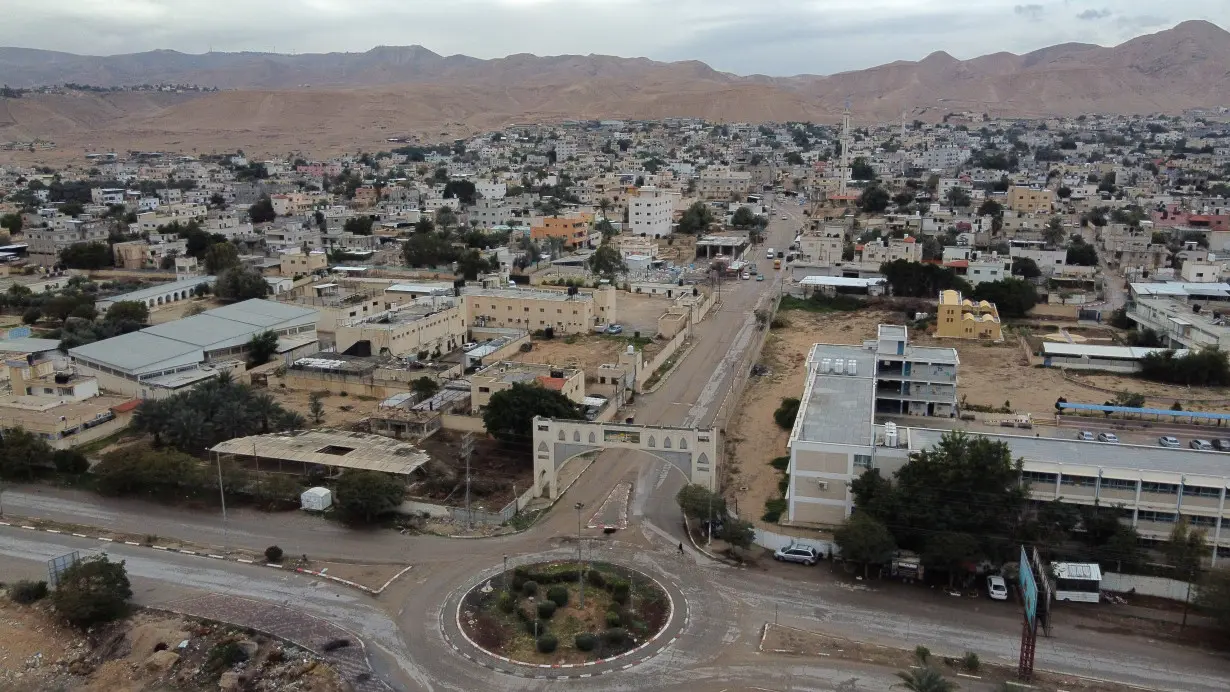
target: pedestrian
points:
(681, 549)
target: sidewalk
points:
(290, 624)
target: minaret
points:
(845, 148)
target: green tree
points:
(696, 219)
(31, 315)
(94, 255)
(698, 502)
(261, 348)
(446, 218)
(607, 262)
(73, 209)
(1185, 549)
(427, 250)
(1025, 268)
(316, 406)
(1082, 253)
(861, 170)
(1064, 192)
(1012, 297)
(991, 208)
(359, 225)
(425, 387)
(92, 591)
(958, 197)
(1054, 232)
(220, 257)
(743, 218)
(925, 679)
(874, 200)
(920, 280)
(240, 283)
(11, 222)
(22, 453)
(262, 211)
(367, 496)
(606, 228)
(864, 539)
(134, 311)
(1207, 367)
(463, 190)
(786, 413)
(510, 413)
(794, 158)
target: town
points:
(984, 355)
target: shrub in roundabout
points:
(613, 619)
(529, 588)
(547, 643)
(546, 609)
(558, 595)
(615, 636)
(586, 641)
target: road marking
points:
(107, 540)
(80, 535)
(132, 543)
(51, 530)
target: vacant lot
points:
(586, 351)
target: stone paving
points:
(306, 631)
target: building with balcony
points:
(958, 318)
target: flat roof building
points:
(498, 377)
(306, 451)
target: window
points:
(484, 390)
(1201, 491)
(1038, 477)
(862, 461)
(1079, 481)
(1162, 517)
(1159, 488)
(1118, 484)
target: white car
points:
(804, 554)
(1168, 441)
(1108, 437)
(996, 588)
(1085, 436)
(745, 276)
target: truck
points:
(907, 566)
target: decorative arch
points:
(576, 435)
(652, 442)
(666, 443)
(683, 443)
(592, 437)
(562, 437)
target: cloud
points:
(1030, 12)
(1089, 15)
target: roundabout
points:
(530, 620)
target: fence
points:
(1160, 587)
(773, 541)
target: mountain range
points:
(338, 100)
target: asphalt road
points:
(716, 632)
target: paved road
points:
(715, 645)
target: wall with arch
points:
(691, 450)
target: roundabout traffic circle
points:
(562, 619)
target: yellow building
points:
(297, 262)
(534, 309)
(500, 376)
(1031, 200)
(433, 326)
(965, 319)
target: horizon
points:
(774, 40)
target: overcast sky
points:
(776, 37)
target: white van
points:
(769, 254)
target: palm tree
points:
(926, 679)
(604, 205)
(151, 417)
(263, 409)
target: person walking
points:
(681, 549)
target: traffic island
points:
(565, 615)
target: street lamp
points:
(580, 570)
(222, 495)
(506, 573)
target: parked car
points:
(615, 329)
(1222, 445)
(1085, 436)
(1202, 445)
(1108, 437)
(796, 552)
(760, 277)
(996, 588)
(1169, 441)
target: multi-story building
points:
(572, 229)
(532, 310)
(431, 326)
(942, 157)
(295, 262)
(45, 244)
(825, 245)
(720, 182)
(1031, 200)
(498, 377)
(889, 250)
(965, 319)
(651, 211)
(489, 212)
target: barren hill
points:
(341, 101)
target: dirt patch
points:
(641, 312)
(498, 472)
(583, 351)
(340, 411)
(143, 652)
(176, 311)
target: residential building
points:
(432, 326)
(651, 211)
(965, 319)
(1031, 200)
(296, 262)
(825, 245)
(45, 244)
(489, 212)
(572, 229)
(532, 310)
(498, 377)
(722, 183)
(883, 250)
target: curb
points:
(240, 560)
(666, 375)
(687, 527)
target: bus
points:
(1077, 581)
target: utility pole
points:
(580, 570)
(222, 496)
(467, 449)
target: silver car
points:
(1108, 437)
(795, 552)
(1168, 441)
(1085, 436)
(1202, 445)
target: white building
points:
(650, 211)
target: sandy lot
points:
(175, 311)
(340, 411)
(640, 312)
(586, 351)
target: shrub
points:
(613, 619)
(596, 579)
(70, 461)
(273, 554)
(922, 653)
(546, 609)
(547, 643)
(970, 662)
(773, 510)
(224, 655)
(586, 641)
(529, 588)
(785, 414)
(620, 591)
(615, 636)
(26, 591)
(535, 628)
(507, 602)
(335, 644)
(559, 595)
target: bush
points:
(615, 636)
(26, 591)
(529, 588)
(922, 653)
(773, 510)
(620, 591)
(586, 641)
(70, 461)
(92, 591)
(970, 662)
(273, 554)
(613, 619)
(507, 602)
(224, 655)
(559, 595)
(547, 643)
(785, 414)
(596, 578)
(536, 628)
(546, 609)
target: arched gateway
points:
(691, 450)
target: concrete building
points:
(296, 262)
(45, 244)
(651, 211)
(304, 451)
(825, 245)
(573, 230)
(430, 326)
(532, 310)
(159, 294)
(889, 249)
(722, 183)
(1181, 324)
(159, 361)
(498, 377)
(965, 319)
(1031, 200)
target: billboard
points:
(1029, 589)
